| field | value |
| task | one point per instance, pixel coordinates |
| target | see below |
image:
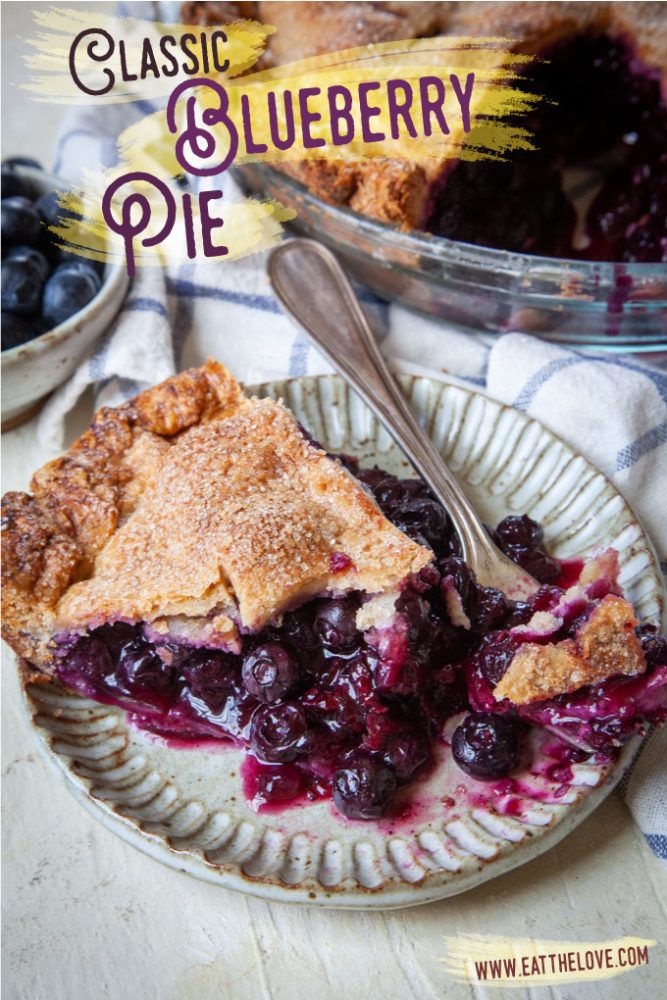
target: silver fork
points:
(312, 286)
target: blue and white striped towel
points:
(612, 409)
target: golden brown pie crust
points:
(606, 646)
(192, 503)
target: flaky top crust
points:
(191, 503)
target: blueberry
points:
(405, 752)
(22, 286)
(335, 623)
(423, 517)
(276, 783)
(83, 266)
(22, 161)
(20, 221)
(268, 672)
(141, 669)
(278, 732)
(364, 787)
(32, 256)
(13, 184)
(486, 746)
(87, 665)
(211, 677)
(65, 293)
(15, 330)
(48, 208)
(521, 530)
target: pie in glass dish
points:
(197, 560)
(600, 127)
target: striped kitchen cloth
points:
(611, 408)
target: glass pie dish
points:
(594, 304)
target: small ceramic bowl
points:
(32, 370)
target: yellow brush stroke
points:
(250, 225)
(47, 61)
(498, 100)
(465, 950)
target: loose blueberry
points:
(22, 286)
(364, 787)
(278, 732)
(32, 256)
(82, 266)
(65, 293)
(15, 330)
(20, 221)
(13, 184)
(486, 746)
(22, 161)
(268, 672)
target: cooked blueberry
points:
(15, 330)
(521, 530)
(20, 221)
(495, 656)
(405, 752)
(139, 667)
(65, 293)
(88, 664)
(278, 732)
(486, 746)
(335, 623)
(654, 645)
(22, 286)
(32, 256)
(211, 676)
(364, 787)
(423, 517)
(275, 783)
(268, 672)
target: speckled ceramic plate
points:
(186, 807)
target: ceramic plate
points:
(186, 807)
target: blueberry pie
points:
(602, 70)
(199, 561)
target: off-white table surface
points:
(86, 916)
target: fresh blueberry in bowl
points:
(20, 222)
(66, 292)
(55, 304)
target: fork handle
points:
(313, 287)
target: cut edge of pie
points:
(196, 510)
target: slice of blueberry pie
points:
(199, 561)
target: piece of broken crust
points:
(605, 646)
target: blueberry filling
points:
(323, 709)
(602, 110)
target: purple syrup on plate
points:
(322, 709)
